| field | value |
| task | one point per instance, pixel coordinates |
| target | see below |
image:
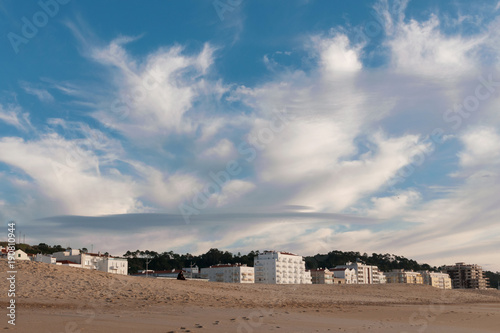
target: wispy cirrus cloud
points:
(13, 115)
(42, 94)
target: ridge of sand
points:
(54, 293)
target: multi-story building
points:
(347, 274)
(402, 276)
(229, 273)
(321, 276)
(97, 261)
(436, 279)
(466, 276)
(275, 267)
(381, 278)
(365, 274)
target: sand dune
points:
(63, 299)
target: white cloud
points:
(153, 96)
(233, 191)
(68, 177)
(13, 115)
(42, 94)
(482, 148)
(337, 55)
(223, 150)
(421, 48)
(387, 207)
(164, 189)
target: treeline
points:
(385, 262)
(170, 260)
(40, 248)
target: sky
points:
(300, 126)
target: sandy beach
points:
(53, 298)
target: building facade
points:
(97, 261)
(348, 274)
(365, 274)
(229, 273)
(275, 267)
(381, 277)
(402, 276)
(21, 255)
(321, 276)
(48, 259)
(466, 276)
(436, 279)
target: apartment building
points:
(274, 267)
(402, 276)
(321, 276)
(466, 276)
(229, 273)
(365, 274)
(347, 274)
(436, 279)
(380, 277)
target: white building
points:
(366, 274)
(280, 268)
(381, 278)
(21, 255)
(348, 274)
(68, 263)
(97, 261)
(229, 273)
(48, 259)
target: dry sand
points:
(58, 299)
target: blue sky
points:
(302, 126)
